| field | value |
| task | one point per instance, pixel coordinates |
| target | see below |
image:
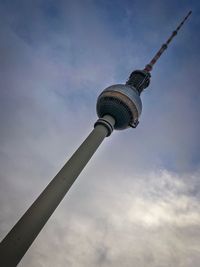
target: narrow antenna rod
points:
(149, 66)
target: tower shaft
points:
(19, 239)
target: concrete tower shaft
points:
(19, 239)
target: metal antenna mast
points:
(118, 107)
(140, 79)
(149, 66)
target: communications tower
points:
(118, 107)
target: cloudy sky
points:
(137, 201)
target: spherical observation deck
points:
(123, 103)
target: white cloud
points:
(152, 221)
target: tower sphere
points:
(123, 103)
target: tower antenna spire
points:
(149, 66)
(140, 79)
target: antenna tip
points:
(190, 12)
